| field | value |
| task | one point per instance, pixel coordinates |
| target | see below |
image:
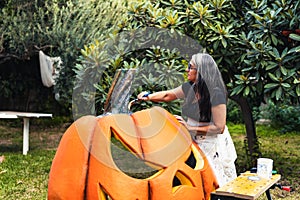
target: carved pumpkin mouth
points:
(136, 167)
(133, 166)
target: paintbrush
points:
(136, 100)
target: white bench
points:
(26, 116)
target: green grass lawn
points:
(26, 177)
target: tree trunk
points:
(250, 126)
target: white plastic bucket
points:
(264, 167)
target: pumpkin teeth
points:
(181, 179)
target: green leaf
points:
(271, 65)
(286, 85)
(283, 70)
(274, 40)
(247, 91)
(293, 50)
(247, 69)
(237, 90)
(273, 77)
(278, 93)
(294, 36)
(296, 81)
(276, 53)
(237, 76)
(284, 52)
(257, 17)
(224, 43)
(271, 85)
(298, 90)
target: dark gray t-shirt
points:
(192, 110)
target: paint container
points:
(264, 167)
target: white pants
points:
(220, 152)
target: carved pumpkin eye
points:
(193, 162)
(127, 161)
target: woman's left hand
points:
(181, 121)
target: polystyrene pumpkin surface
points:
(84, 166)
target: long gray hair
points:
(208, 84)
(207, 70)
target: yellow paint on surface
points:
(247, 186)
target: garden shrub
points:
(285, 117)
(234, 114)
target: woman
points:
(204, 109)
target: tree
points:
(256, 45)
(59, 28)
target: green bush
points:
(284, 117)
(234, 114)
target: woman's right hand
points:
(144, 96)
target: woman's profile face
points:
(192, 72)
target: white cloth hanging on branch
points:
(50, 67)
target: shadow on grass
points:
(12, 148)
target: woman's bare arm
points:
(216, 127)
(163, 96)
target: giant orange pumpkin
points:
(84, 167)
